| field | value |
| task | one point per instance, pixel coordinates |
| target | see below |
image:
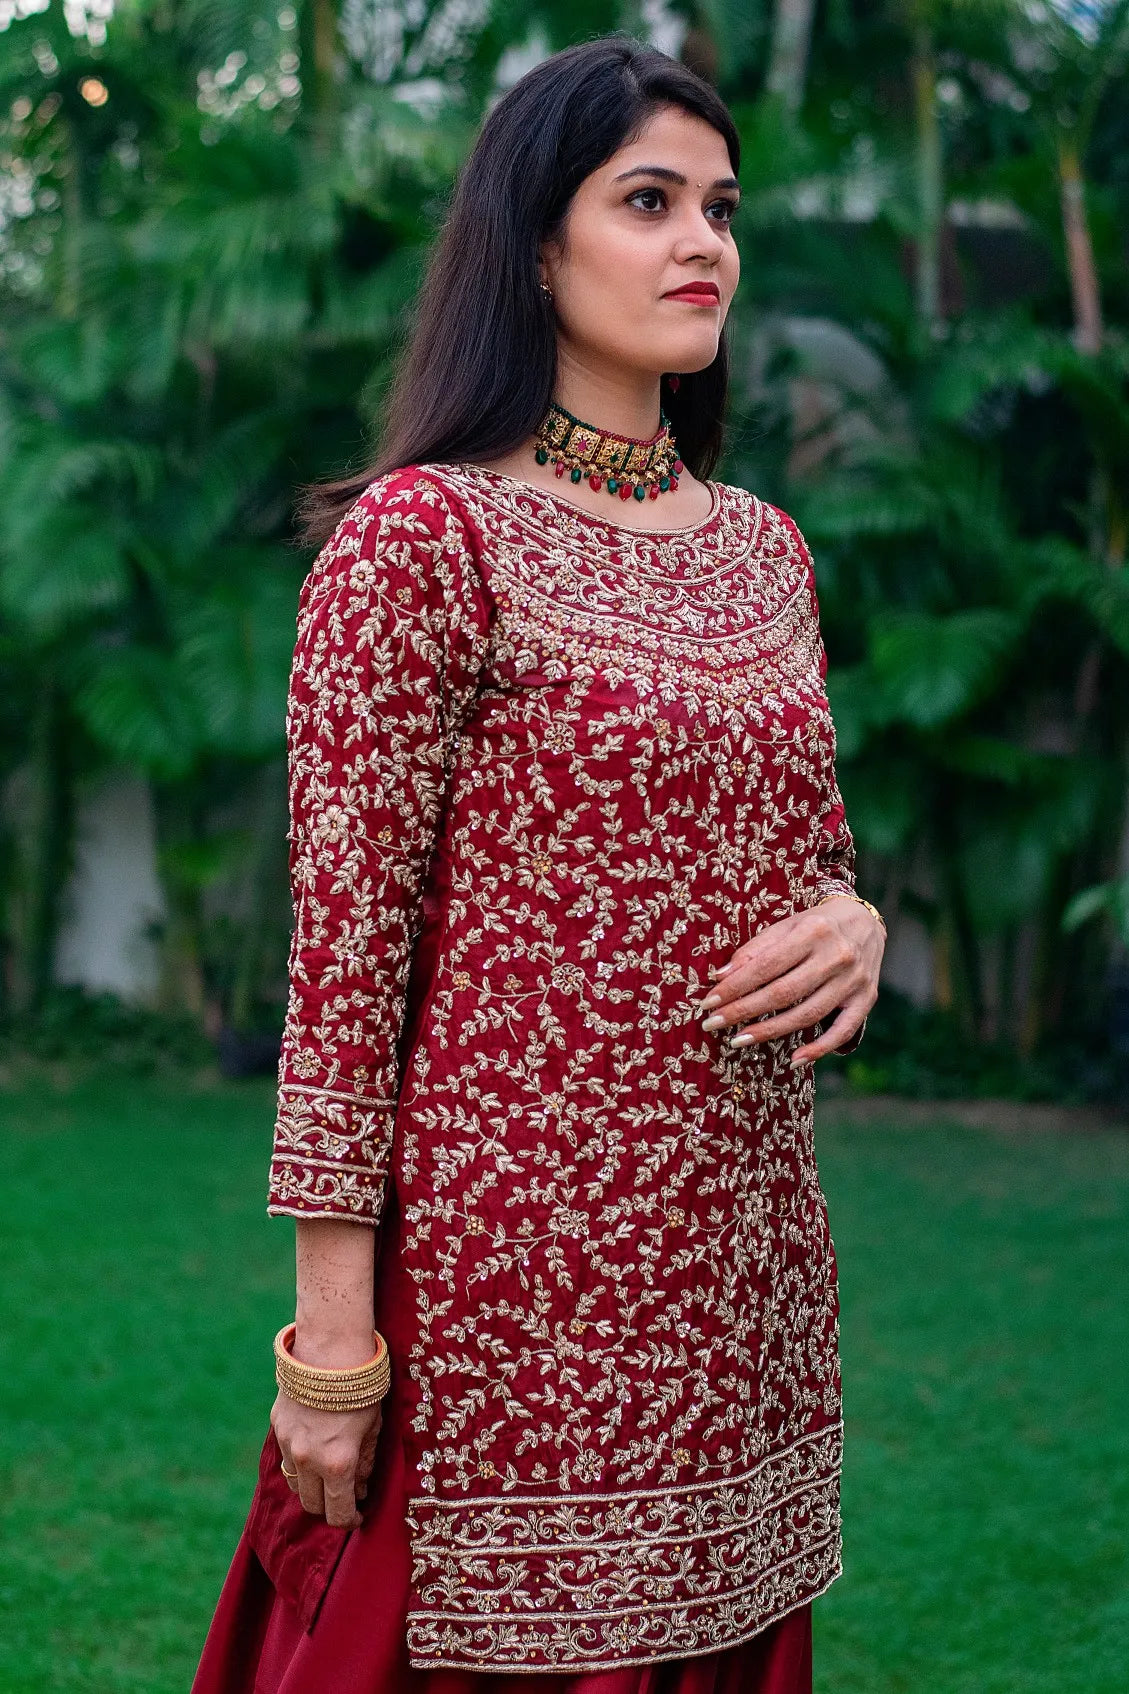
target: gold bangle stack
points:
(329, 1390)
(845, 894)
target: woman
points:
(575, 916)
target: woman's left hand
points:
(798, 970)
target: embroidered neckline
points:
(556, 501)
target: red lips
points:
(695, 291)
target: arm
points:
(392, 634)
(837, 846)
(393, 630)
(822, 963)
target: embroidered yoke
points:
(575, 764)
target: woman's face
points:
(653, 219)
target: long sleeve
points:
(393, 631)
(836, 853)
(837, 844)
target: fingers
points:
(849, 1020)
(789, 977)
(333, 1491)
(736, 1004)
(802, 1016)
(340, 1496)
(328, 1457)
(311, 1491)
(777, 949)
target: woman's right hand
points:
(333, 1455)
(332, 1452)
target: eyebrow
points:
(667, 175)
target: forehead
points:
(677, 140)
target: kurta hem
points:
(662, 1542)
(591, 1668)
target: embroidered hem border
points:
(663, 1574)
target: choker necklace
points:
(626, 466)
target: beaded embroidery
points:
(612, 751)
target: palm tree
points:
(230, 214)
(222, 216)
(962, 611)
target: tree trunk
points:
(1085, 292)
(269, 853)
(317, 45)
(930, 179)
(791, 42)
(183, 988)
(47, 830)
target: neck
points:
(623, 402)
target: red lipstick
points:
(696, 293)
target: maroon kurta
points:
(307, 1609)
(545, 770)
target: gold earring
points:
(545, 289)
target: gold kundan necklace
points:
(627, 467)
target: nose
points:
(701, 240)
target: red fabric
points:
(544, 772)
(357, 1644)
(329, 1618)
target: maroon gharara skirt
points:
(308, 1609)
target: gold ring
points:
(288, 1474)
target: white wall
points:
(113, 895)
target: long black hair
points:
(479, 369)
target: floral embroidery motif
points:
(675, 1594)
(582, 763)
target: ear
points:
(548, 262)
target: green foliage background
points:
(213, 220)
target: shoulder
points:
(406, 516)
(789, 529)
(776, 533)
(414, 498)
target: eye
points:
(641, 192)
(729, 210)
(723, 211)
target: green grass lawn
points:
(986, 1357)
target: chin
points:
(690, 359)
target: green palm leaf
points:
(68, 566)
(934, 669)
(137, 709)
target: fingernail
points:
(795, 1061)
(710, 1000)
(714, 1022)
(720, 970)
(742, 1040)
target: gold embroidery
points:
(628, 1578)
(616, 752)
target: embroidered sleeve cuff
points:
(331, 1155)
(828, 885)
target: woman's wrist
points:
(334, 1282)
(846, 894)
(332, 1346)
(340, 1388)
